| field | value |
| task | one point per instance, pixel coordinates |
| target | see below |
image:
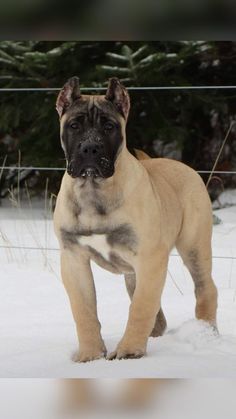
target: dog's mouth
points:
(85, 172)
(102, 170)
(89, 172)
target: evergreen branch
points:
(6, 56)
(115, 69)
(8, 62)
(139, 52)
(116, 56)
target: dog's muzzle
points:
(90, 162)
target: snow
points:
(37, 332)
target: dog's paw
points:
(126, 353)
(90, 354)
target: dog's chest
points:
(113, 257)
(110, 247)
(98, 243)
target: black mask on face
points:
(92, 132)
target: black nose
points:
(90, 149)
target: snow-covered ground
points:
(37, 332)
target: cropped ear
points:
(118, 95)
(68, 94)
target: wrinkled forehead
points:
(93, 107)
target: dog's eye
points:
(74, 125)
(108, 126)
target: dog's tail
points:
(141, 155)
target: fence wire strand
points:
(219, 172)
(134, 88)
(57, 250)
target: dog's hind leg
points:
(160, 325)
(160, 322)
(198, 259)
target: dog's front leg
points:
(150, 273)
(78, 281)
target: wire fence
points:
(57, 249)
(136, 88)
(217, 172)
(91, 89)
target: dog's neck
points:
(119, 187)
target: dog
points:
(126, 215)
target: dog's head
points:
(92, 128)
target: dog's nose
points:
(90, 149)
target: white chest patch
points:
(98, 242)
